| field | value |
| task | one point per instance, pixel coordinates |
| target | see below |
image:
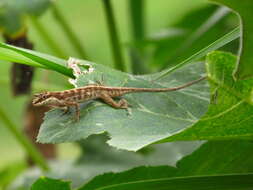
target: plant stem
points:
(46, 37)
(75, 42)
(116, 48)
(22, 139)
(136, 9)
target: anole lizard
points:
(67, 98)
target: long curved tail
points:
(128, 90)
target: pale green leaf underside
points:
(153, 116)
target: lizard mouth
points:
(36, 101)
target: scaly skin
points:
(67, 98)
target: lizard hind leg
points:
(121, 104)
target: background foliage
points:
(130, 36)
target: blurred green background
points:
(88, 22)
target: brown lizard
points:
(67, 98)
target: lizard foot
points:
(123, 104)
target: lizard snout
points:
(36, 101)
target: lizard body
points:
(67, 98)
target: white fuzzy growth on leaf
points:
(75, 64)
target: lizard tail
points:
(165, 89)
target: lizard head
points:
(40, 99)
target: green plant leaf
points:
(159, 178)
(12, 14)
(45, 183)
(224, 158)
(245, 12)
(97, 157)
(154, 116)
(230, 112)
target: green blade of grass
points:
(234, 34)
(119, 62)
(47, 38)
(74, 41)
(136, 12)
(35, 60)
(137, 18)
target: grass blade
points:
(46, 36)
(234, 34)
(119, 62)
(36, 60)
(74, 41)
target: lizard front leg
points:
(64, 105)
(77, 107)
(122, 104)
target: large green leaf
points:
(153, 179)
(245, 12)
(224, 157)
(230, 113)
(98, 157)
(154, 116)
(156, 178)
(218, 157)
